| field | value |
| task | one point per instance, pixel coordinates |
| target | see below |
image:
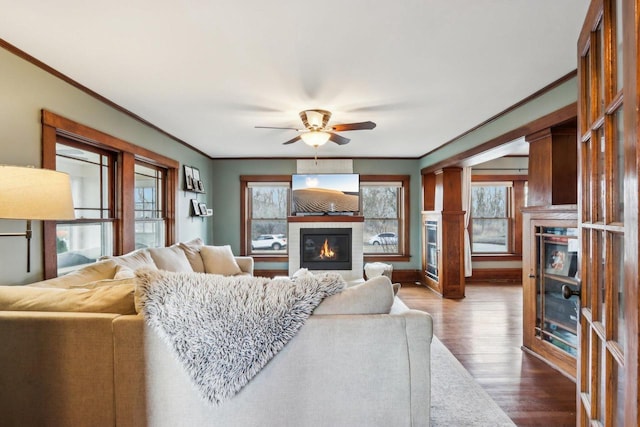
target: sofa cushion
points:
(134, 260)
(192, 251)
(375, 296)
(92, 272)
(219, 260)
(172, 258)
(102, 298)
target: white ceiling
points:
(207, 72)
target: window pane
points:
(149, 208)
(269, 202)
(490, 235)
(488, 201)
(269, 237)
(379, 201)
(150, 234)
(89, 173)
(381, 236)
(619, 51)
(618, 170)
(79, 244)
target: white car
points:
(269, 241)
(384, 239)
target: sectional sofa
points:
(361, 359)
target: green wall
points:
(226, 201)
(25, 90)
(560, 96)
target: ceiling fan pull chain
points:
(315, 157)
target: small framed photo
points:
(203, 209)
(196, 207)
(188, 177)
(197, 183)
(558, 259)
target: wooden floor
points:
(484, 332)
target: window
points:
(149, 206)
(495, 226)
(491, 231)
(90, 236)
(384, 201)
(265, 208)
(120, 193)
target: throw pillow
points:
(123, 272)
(172, 258)
(102, 299)
(192, 251)
(375, 296)
(219, 260)
(96, 271)
(134, 260)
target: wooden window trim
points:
(405, 218)
(53, 126)
(244, 206)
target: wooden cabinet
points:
(550, 267)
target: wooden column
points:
(448, 203)
(553, 166)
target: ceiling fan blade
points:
(340, 140)
(353, 126)
(275, 127)
(291, 141)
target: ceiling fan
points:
(316, 131)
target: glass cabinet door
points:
(556, 316)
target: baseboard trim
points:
(509, 275)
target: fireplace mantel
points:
(326, 218)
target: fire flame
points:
(326, 251)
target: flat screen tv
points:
(325, 193)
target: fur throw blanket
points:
(225, 329)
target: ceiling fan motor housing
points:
(315, 120)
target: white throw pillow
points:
(172, 258)
(219, 260)
(375, 296)
(192, 251)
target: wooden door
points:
(607, 375)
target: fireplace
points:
(325, 248)
(326, 225)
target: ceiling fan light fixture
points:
(315, 138)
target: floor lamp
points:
(34, 194)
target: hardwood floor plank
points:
(484, 332)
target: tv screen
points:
(325, 193)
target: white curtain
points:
(466, 206)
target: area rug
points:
(456, 398)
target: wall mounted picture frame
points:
(188, 178)
(197, 182)
(196, 207)
(203, 209)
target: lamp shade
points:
(31, 193)
(315, 138)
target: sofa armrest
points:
(57, 369)
(245, 263)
